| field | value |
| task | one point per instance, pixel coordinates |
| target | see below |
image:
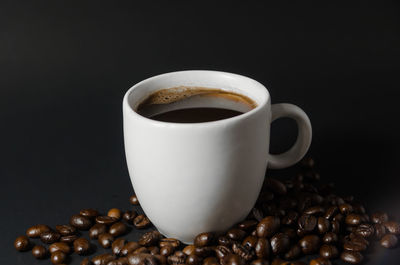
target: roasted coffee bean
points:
(257, 214)
(331, 212)
(37, 230)
(129, 248)
(193, 260)
(222, 251)
(293, 253)
(115, 213)
(259, 262)
(328, 252)
(353, 219)
(364, 230)
(210, 261)
(134, 200)
(389, 241)
(167, 250)
(392, 227)
(379, 217)
(280, 243)
(290, 232)
(262, 248)
(81, 246)
(150, 238)
(354, 246)
(233, 259)
(352, 257)
(86, 261)
(358, 208)
(58, 257)
(22, 243)
(120, 261)
(49, 237)
(60, 246)
(307, 222)
(330, 238)
(97, 230)
(128, 216)
(141, 259)
(189, 250)
(80, 222)
(39, 252)
(323, 225)
(68, 239)
(169, 241)
(275, 186)
(118, 229)
(242, 251)
(141, 221)
(154, 250)
(105, 240)
(103, 259)
(268, 226)
(91, 213)
(225, 241)
(66, 230)
(320, 261)
(307, 162)
(290, 218)
(161, 260)
(236, 234)
(247, 225)
(178, 258)
(204, 251)
(204, 239)
(357, 238)
(309, 244)
(335, 227)
(141, 250)
(314, 210)
(278, 261)
(265, 196)
(365, 218)
(380, 231)
(106, 220)
(250, 241)
(338, 217)
(345, 208)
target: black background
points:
(65, 65)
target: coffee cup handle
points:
(303, 141)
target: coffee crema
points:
(186, 104)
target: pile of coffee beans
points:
(290, 220)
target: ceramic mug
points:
(201, 177)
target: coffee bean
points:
(189, 250)
(357, 238)
(262, 248)
(39, 252)
(328, 252)
(167, 250)
(275, 186)
(103, 259)
(265, 196)
(280, 243)
(314, 210)
(353, 219)
(330, 238)
(307, 162)
(392, 227)
(225, 241)
(91, 213)
(86, 261)
(22, 243)
(162, 260)
(268, 226)
(193, 260)
(236, 234)
(331, 212)
(389, 241)
(128, 216)
(58, 257)
(380, 231)
(250, 241)
(323, 225)
(97, 230)
(134, 200)
(335, 227)
(364, 230)
(204, 251)
(338, 217)
(178, 258)
(243, 252)
(105, 240)
(309, 244)
(290, 232)
(320, 261)
(120, 261)
(293, 253)
(150, 238)
(106, 220)
(290, 218)
(115, 213)
(247, 225)
(222, 251)
(352, 257)
(37, 230)
(169, 241)
(154, 250)
(60, 246)
(129, 248)
(278, 261)
(257, 214)
(66, 230)
(204, 239)
(307, 223)
(210, 261)
(259, 262)
(68, 239)
(80, 222)
(141, 250)
(118, 229)
(354, 246)
(379, 217)
(81, 246)
(141, 221)
(345, 208)
(233, 259)
(49, 237)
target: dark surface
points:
(65, 66)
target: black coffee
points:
(194, 105)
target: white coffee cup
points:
(201, 177)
